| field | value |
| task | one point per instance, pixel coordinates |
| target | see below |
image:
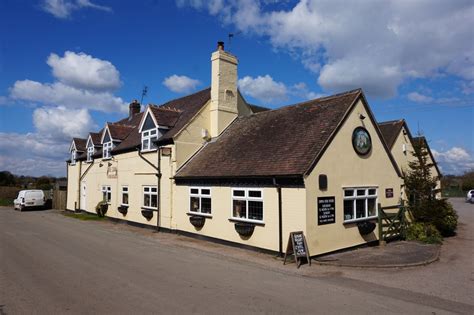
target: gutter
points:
(158, 187)
(280, 221)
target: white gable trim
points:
(142, 122)
(72, 146)
(89, 140)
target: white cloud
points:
(456, 160)
(84, 71)
(264, 89)
(181, 83)
(63, 8)
(376, 45)
(301, 90)
(36, 166)
(60, 94)
(419, 98)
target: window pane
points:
(194, 191)
(348, 193)
(146, 189)
(153, 145)
(360, 192)
(206, 205)
(125, 199)
(239, 209)
(109, 196)
(125, 189)
(154, 201)
(146, 201)
(153, 189)
(239, 193)
(255, 193)
(153, 132)
(372, 192)
(194, 206)
(348, 209)
(255, 210)
(360, 208)
(205, 191)
(372, 207)
(146, 143)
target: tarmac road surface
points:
(52, 264)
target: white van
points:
(29, 199)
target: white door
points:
(83, 196)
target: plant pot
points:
(366, 227)
(197, 221)
(123, 209)
(148, 214)
(244, 229)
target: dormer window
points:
(73, 157)
(90, 152)
(106, 150)
(148, 138)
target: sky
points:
(69, 66)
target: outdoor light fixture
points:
(361, 116)
(100, 164)
(109, 163)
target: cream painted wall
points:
(344, 168)
(72, 185)
(219, 226)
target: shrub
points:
(423, 232)
(447, 220)
(101, 208)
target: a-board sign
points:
(389, 193)
(297, 246)
(326, 210)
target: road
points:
(54, 264)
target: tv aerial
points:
(230, 37)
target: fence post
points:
(381, 240)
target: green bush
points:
(101, 208)
(423, 232)
(447, 219)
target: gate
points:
(392, 222)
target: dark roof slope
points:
(119, 132)
(390, 131)
(95, 136)
(257, 109)
(80, 144)
(421, 140)
(282, 142)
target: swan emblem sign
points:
(361, 141)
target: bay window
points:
(200, 200)
(247, 204)
(360, 203)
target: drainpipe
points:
(158, 188)
(280, 226)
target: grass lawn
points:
(83, 216)
(6, 202)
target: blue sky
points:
(68, 66)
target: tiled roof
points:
(95, 136)
(282, 142)
(119, 132)
(80, 144)
(258, 109)
(390, 131)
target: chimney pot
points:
(220, 45)
(133, 109)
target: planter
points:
(148, 214)
(244, 229)
(197, 221)
(123, 209)
(366, 227)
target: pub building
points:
(210, 165)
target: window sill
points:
(199, 214)
(360, 220)
(256, 222)
(106, 158)
(149, 208)
(148, 151)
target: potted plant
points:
(366, 227)
(123, 209)
(147, 213)
(244, 229)
(101, 208)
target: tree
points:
(7, 179)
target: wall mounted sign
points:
(326, 210)
(389, 193)
(298, 247)
(361, 141)
(111, 172)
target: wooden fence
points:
(59, 199)
(392, 222)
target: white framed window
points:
(90, 152)
(247, 204)
(148, 137)
(106, 194)
(73, 157)
(200, 200)
(124, 199)
(360, 203)
(106, 150)
(150, 197)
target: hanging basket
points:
(244, 229)
(197, 221)
(148, 214)
(123, 209)
(366, 227)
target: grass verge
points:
(5, 202)
(83, 216)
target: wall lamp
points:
(361, 116)
(100, 164)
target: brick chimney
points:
(133, 109)
(223, 109)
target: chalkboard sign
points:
(297, 246)
(326, 210)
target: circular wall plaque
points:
(361, 141)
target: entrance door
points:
(83, 196)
